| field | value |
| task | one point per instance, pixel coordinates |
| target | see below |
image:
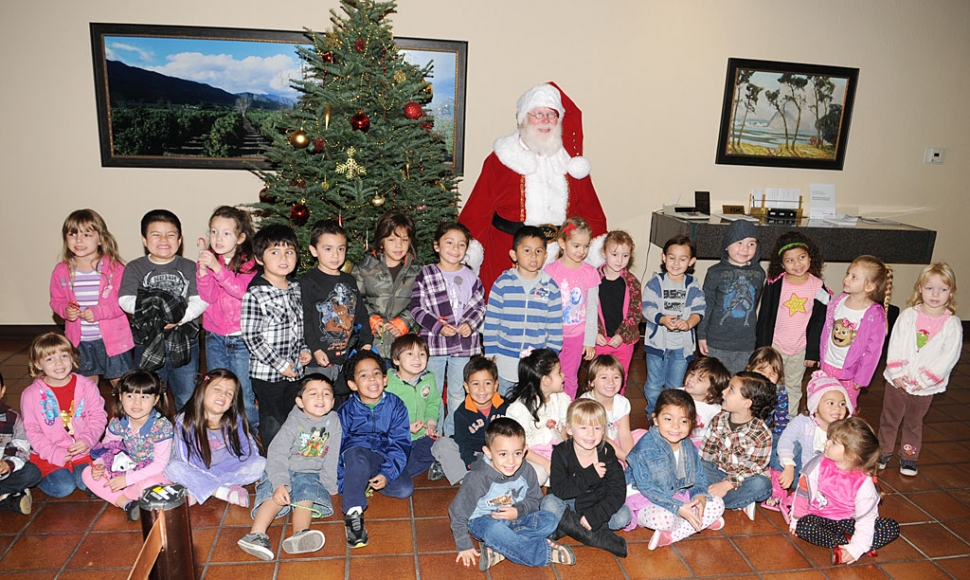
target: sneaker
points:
(562, 554)
(304, 542)
(26, 502)
(659, 539)
(256, 544)
(717, 525)
(749, 510)
(908, 468)
(436, 472)
(356, 532)
(883, 461)
(132, 511)
(489, 558)
(13, 502)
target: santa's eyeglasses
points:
(550, 116)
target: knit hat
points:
(539, 96)
(821, 384)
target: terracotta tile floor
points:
(82, 538)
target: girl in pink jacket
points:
(84, 292)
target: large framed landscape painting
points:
(784, 114)
(195, 97)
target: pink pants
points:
(658, 518)
(130, 493)
(570, 358)
(836, 373)
(624, 354)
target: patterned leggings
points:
(831, 533)
(657, 518)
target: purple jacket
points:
(430, 304)
(224, 293)
(865, 351)
(111, 319)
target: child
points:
(673, 304)
(414, 384)
(924, 347)
(84, 292)
(837, 503)
(669, 474)
(731, 291)
(793, 308)
(498, 504)
(449, 306)
(735, 454)
(767, 362)
(587, 488)
(579, 284)
(376, 443)
(214, 453)
(17, 473)
(855, 325)
(805, 437)
(705, 380)
(482, 405)
(386, 277)
(524, 309)
(540, 405)
(604, 383)
(137, 445)
(336, 318)
(63, 415)
(160, 293)
(620, 303)
(225, 269)
(301, 471)
(272, 328)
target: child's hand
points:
(600, 468)
(468, 557)
(321, 358)
(395, 331)
(431, 429)
(702, 346)
(87, 315)
(810, 363)
(210, 261)
(720, 488)
(585, 524)
(601, 340)
(4, 467)
(787, 477)
(417, 426)
(448, 331)
(288, 372)
(281, 496)
(551, 424)
(465, 330)
(615, 342)
(170, 326)
(78, 448)
(589, 352)
(681, 325)
(305, 357)
(73, 312)
(378, 482)
(856, 386)
(117, 483)
(507, 513)
(97, 471)
(669, 321)
(899, 383)
(693, 511)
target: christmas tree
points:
(358, 143)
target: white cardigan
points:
(925, 371)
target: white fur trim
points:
(514, 155)
(552, 252)
(546, 190)
(539, 96)
(474, 256)
(578, 167)
(595, 256)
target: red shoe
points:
(836, 555)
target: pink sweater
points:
(224, 293)
(113, 322)
(45, 431)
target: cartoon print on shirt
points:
(337, 318)
(314, 443)
(171, 282)
(739, 300)
(843, 333)
(574, 309)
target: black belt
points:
(549, 231)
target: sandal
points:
(772, 503)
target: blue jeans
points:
(455, 368)
(230, 352)
(754, 489)
(304, 486)
(21, 479)
(776, 462)
(181, 380)
(618, 521)
(522, 541)
(420, 458)
(505, 387)
(63, 482)
(360, 465)
(663, 371)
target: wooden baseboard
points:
(26, 331)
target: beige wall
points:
(649, 75)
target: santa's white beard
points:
(539, 142)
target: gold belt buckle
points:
(549, 231)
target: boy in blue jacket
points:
(376, 442)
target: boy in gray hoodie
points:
(732, 288)
(301, 471)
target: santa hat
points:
(821, 384)
(549, 95)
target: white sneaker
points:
(749, 510)
(304, 542)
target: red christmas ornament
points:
(298, 183)
(360, 121)
(265, 197)
(299, 214)
(318, 145)
(427, 126)
(327, 57)
(413, 110)
(359, 45)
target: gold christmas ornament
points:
(429, 88)
(298, 139)
(326, 117)
(378, 200)
(399, 76)
(350, 168)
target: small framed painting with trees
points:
(783, 114)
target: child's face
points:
(673, 423)
(935, 294)
(451, 248)
(505, 453)
(530, 255)
(831, 408)
(697, 385)
(835, 451)
(395, 247)
(278, 261)
(742, 251)
(480, 386)
(162, 240)
(576, 247)
(411, 362)
(677, 260)
(617, 257)
(57, 367)
(84, 244)
(796, 262)
(223, 237)
(607, 382)
(553, 382)
(369, 381)
(218, 397)
(317, 399)
(138, 405)
(734, 400)
(330, 252)
(768, 371)
(856, 281)
(586, 436)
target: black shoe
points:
(17, 502)
(133, 511)
(356, 532)
(603, 538)
(436, 472)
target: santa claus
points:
(533, 177)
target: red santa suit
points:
(518, 186)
